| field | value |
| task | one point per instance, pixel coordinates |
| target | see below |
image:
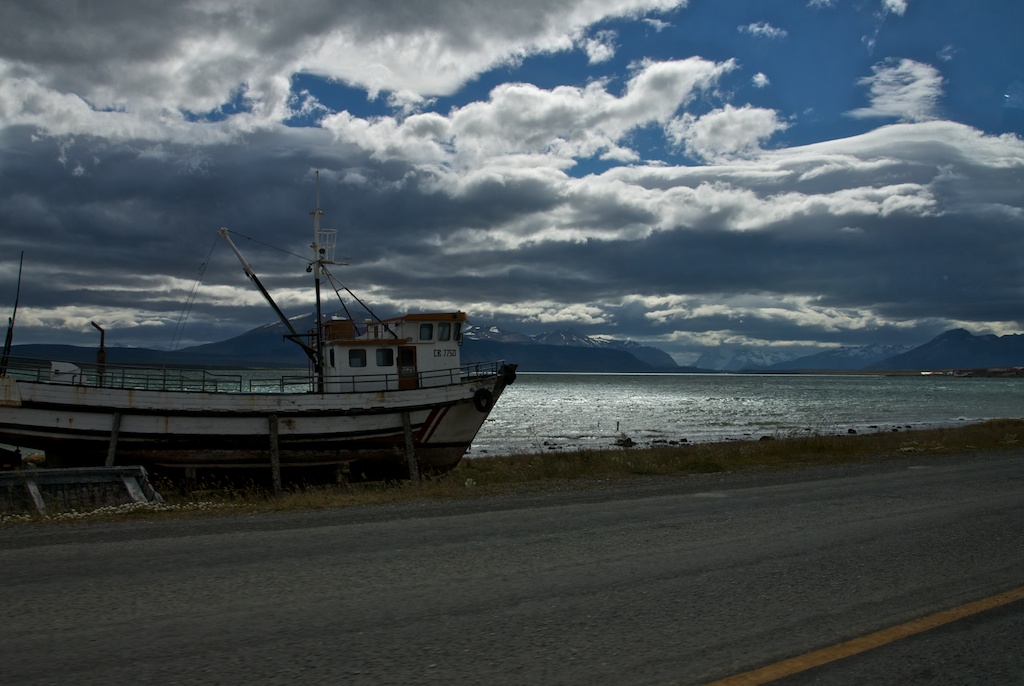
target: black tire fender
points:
(483, 400)
(509, 373)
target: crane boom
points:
(295, 336)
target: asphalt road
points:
(661, 581)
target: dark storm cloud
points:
(123, 148)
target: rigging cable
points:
(337, 286)
(183, 317)
(344, 306)
(326, 272)
(268, 245)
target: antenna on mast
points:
(317, 190)
(317, 213)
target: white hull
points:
(83, 425)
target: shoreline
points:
(646, 439)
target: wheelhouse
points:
(412, 351)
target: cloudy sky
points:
(785, 174)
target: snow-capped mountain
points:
(568, 337)
(740, 359)
(845, 358)
(655, 357)
(649, 355)
(493, 333)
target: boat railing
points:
(249, 380)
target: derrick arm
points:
(295, 336)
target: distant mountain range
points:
(568, 351)
(841, 359)
(548, 351)
(956, 349)
(726, 359)
(264, 346)
(836, 359)
(960, 349)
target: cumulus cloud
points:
(600, 47)
(763, 30)
(726, 132)
(175, 61)
(554, 127)
(658, 25)
(760, 80)
(897, 7)
(903, 89)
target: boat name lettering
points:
(444, 352)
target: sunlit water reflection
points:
(570, 411)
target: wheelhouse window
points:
(444, 331)
(357, 357)
(426, 332)
(385, 357)
(458, 331)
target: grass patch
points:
(547, 471)
(774, 453)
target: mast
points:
(318, 266)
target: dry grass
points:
(545, 471)
(777, 453)
(532, 472)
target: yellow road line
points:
(868, 642)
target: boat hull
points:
(80, 425)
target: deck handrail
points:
(226, 380)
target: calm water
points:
(571, 411)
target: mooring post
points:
(115, 429)
(275, 456)
(410, 451)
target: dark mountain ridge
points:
(959, 349)
(648, 355)
(563, 351)
(266, 346)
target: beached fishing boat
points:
(382, 398)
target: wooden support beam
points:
(410, 451)
(275, 456)
(115, 429)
